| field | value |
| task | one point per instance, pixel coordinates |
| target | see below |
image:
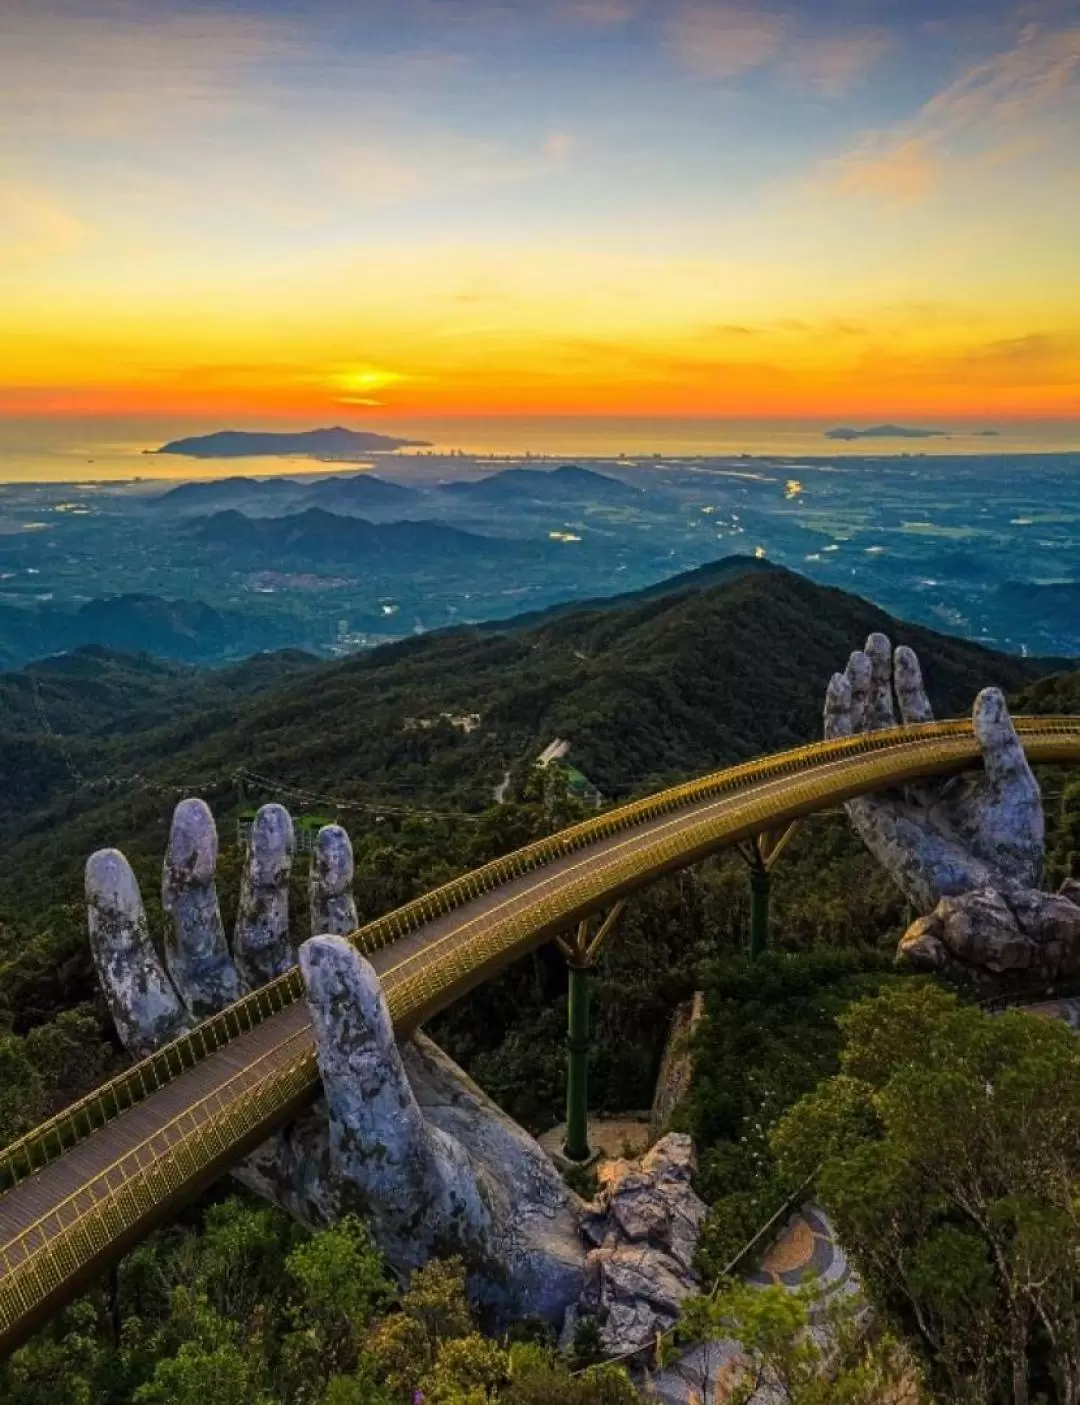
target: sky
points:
(260, 210)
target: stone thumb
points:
(382, 1149)
(1003, 755)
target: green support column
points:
(576, 1146)
(580, 953)
(760, 882)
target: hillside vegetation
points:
(646, 691)
(722, 664)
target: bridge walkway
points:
(62, 1191)
(90, 1191)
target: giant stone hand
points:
(401, 1135)
(967, 852)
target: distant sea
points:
(61, 450)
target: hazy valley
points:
(983, 547)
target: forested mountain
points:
(317, 537)
(219, 494)
(340, 492)
(362, 492)
(569, 484)
(185, 630)
(646, 690)
(96, 747)
(95, 691)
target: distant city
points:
(335, 559)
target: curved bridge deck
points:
(87, 1185)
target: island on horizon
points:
(887, 431)
(336, 443)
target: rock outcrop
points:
(992, 932)
(644, 1225)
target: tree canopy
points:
(949, 1153)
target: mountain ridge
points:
(677, 685)
(315, 534)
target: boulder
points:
(981, 929)
(644, 1223)
(922, 944)
(997, 932)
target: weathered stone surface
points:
(1059, 935)
(635, 1292)
(946, 838)
(196, 951)
(536, 1219)
(967, 852)
(333, 908)
(292, 1169)
(676, 1065)
(402, 1136)
(263, 946)
(144, 1003)
(922, 944)
(645, 1222)
(980, 929)
(413, 1183)
(1018, 929)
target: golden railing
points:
(39, 1262)
(77, 1121)
(114, 1206)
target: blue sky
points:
(424, 195)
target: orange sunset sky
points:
(240, 211)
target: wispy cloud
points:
(65, 70)
(35, 224)
(719, 41)
(894, 173)
(1039, 358)
(1017, 83)
(997, 111)
(726, 39)
(835, 64)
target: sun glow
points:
(362, 380)
(213, 217)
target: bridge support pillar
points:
(576, 1146)
(760, 887)
(760, 855)
(581, 954)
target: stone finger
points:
(880, 711)
(858, 676)
(390, 1158)
(838, 707)
(196, 951)
(262, 945)
(333, 908)
(907, 672)
(1003, 756)
(144, 1004)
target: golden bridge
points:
(81, 1189)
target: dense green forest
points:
(96, 747)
